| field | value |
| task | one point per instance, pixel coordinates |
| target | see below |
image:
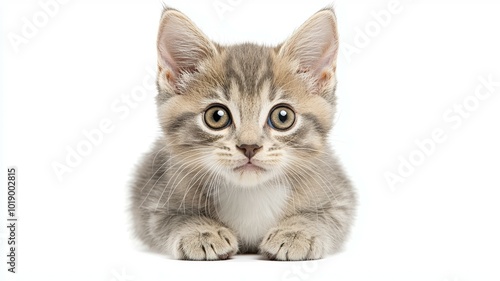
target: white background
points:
(442, 223)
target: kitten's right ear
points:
(315, 46)
(181, 48)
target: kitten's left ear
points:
(315, 46)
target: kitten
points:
(243, 163)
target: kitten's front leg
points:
(196, 238)
(302, 237)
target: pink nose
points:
(249, 149)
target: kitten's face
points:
(245, 113)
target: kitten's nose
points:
(249, 149)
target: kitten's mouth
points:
(249, 167)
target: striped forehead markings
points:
(248, 66)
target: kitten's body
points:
(194, 196)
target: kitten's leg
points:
(192, 237)
(304, 237)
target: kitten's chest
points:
(251, 212)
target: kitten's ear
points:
(315, 46)
(181, 47)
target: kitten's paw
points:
(288, 244)
(206, 243)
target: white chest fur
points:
(251, 212)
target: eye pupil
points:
(218, 115)
(283, 116)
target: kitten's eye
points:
(217, 117)
(281, 118)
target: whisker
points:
(177, 174)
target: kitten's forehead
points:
(247, 67)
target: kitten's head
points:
(246, 113)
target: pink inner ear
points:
(315, 46)
(323, 64)
(326, 62)
(181, 46)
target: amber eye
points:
(217, 117)
(281, 118)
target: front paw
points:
(206, 243)
(289, 244)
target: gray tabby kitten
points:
(243, 163)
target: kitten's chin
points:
(248, 176)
